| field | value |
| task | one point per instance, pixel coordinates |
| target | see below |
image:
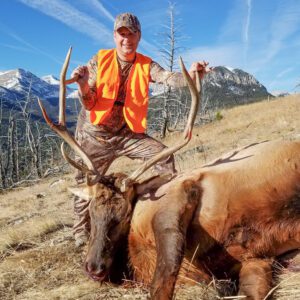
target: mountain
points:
(22, 82)
(280, 93)
(50, 79)
(16, 85)
(53, 81)
(224, 87)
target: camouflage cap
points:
(129, 21)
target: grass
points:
(38, 259)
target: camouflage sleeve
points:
(90, 98)
(160, 75)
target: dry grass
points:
(287, 284)
(242, 125)
(38, 257)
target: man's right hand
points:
(82, 75)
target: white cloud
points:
(285, 23)
(98, 7)
(284, 72)
(72, 17)
(219, 55)
(29, 47)
(79, 21)
(236, 28)
(246, 31)
(247, 25)
(232, 29)
(18, 48)
(278, 79)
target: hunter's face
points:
(126, 43)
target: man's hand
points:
(82, 75)
(201, 67)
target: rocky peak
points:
(22, 82)
(236, 76)
(51, 79)
(224, 87)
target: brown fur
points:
(228, 219)
(256, 277)
(247, 208)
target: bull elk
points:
(230, 218)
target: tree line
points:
(29, 150)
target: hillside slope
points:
(38, 257)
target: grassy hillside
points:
(38, 257)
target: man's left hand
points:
(201, 67)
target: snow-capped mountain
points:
(222, 83)
(226, 86)
(22, 83)
(223, 87)
(50, 79)
(18, 85)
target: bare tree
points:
(172, 38)
(12, 168)
(28, 149)
(33, 137)
(2, 170)
(9, 169)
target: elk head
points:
(111, 197)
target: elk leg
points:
(170, 241)
(255, 278)
(169, 226)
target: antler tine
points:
(194, 101)
(62, 89)
(187, 134)
(91, 180)
(72, 162)
(198, 86)
(60, 128)
(68, 138)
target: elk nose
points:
(94, 268)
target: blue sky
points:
(261, 37)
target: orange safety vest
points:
(137, 89)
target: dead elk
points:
(231, 217)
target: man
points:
(113, 90)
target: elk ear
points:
(81, 192)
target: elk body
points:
(230, 218)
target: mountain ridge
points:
(223, 87)
(24, 82)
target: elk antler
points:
(61, 129)
(187, 134)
